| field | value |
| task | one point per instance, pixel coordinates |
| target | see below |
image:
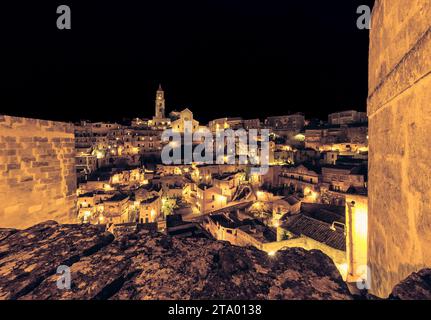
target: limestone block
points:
(35, 161)
(399, 111)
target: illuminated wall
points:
(357, 238)
(399, 110)
(37, 172)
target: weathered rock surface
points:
(28, 257)
(415, 287)
(4, 233)
(148, 265)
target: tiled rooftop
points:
(317, 230)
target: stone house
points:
(287, 205)
(150, 209)
(228, 183)
(116, 209)
(301, 178)
(209, 198)
(341, 177)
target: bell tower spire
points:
(160, 103)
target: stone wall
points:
(399, 110)
(37, 172)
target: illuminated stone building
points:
(248, 232)
(225, 123)
(160, 103)
(286, 205)
(306, 155)
(330, 157)
(293, 122)
(140, 123)
(357, 134)
(345, 148)
(103, 128)
(86, 163)
(347, 117)
(251, 124)
(341, 177)
(315, 137)
(87, 208)
(96, 181)
(185, 116)
(399, 109)
(303, 178)
(221, 227)
(284, 154)
(228, 183)
(209, 198)
(159, 120)
(338, 181)
(83, 137)
(38, 177)
(170, 170)
(142, 141)
(172, 186)
(132, 177)
(116, 209)
(357, 239)
(150, 209)
(325, 136)
(206, 171)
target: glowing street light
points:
(271, 253)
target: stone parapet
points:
(37, 171)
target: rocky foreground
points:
(148, 265)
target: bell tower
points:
(160, 103)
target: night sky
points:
(219, 58)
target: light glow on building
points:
(357, 237)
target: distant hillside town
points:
(315, 168)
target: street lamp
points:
(335, 223)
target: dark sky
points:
(219, 58)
